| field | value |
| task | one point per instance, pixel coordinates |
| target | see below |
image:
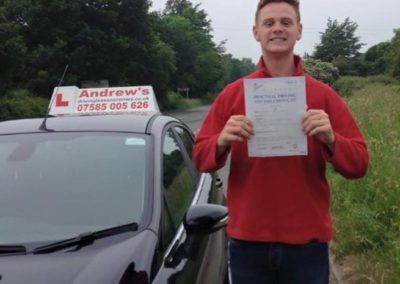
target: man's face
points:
(277, 29)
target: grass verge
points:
(366, 212)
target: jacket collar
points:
(298, 71)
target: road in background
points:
(193, 118)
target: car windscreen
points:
(58, 185)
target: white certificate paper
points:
(276, 106)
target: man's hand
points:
(237, 129)
(316, 123)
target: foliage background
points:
(118, 41)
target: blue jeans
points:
(259, 263)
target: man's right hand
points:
(237, 129)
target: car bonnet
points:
(99, 264)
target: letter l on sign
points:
(60, 102)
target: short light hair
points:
(294, 3)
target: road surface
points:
(193, 118)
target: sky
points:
(232, 20)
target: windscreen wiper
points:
(85, 239)
(12, 249)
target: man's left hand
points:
(316, 123)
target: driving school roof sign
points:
(74, 101)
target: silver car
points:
(107, 199)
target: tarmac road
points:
(193, 118)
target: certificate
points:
(276, 106)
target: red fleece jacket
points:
(282, 199)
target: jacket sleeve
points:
(350, 155)
(205, 148)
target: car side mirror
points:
(199, 221)
(205, 218)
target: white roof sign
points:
(74, 101)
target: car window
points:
(177, 181)
(188, 143)
(58, 185)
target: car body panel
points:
(101, 263)
(114, 123)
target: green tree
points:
(111, 39)
(12, 52)
(185, 8)
(377, 57)
(99, 39)
(198, 61)
(339, 45)
(338, 39)
(394, 55)
(241, 67)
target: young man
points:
(279, 221)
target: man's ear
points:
(255, 34)
(300, 31)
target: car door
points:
(209, 189)
(185, 257)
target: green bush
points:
(19, 103)
(347, 85)
(176, 101)
(208, 99)
(383, 79)
(323, 71)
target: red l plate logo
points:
(60, 102)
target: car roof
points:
(118, 122)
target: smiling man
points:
(279, 221)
